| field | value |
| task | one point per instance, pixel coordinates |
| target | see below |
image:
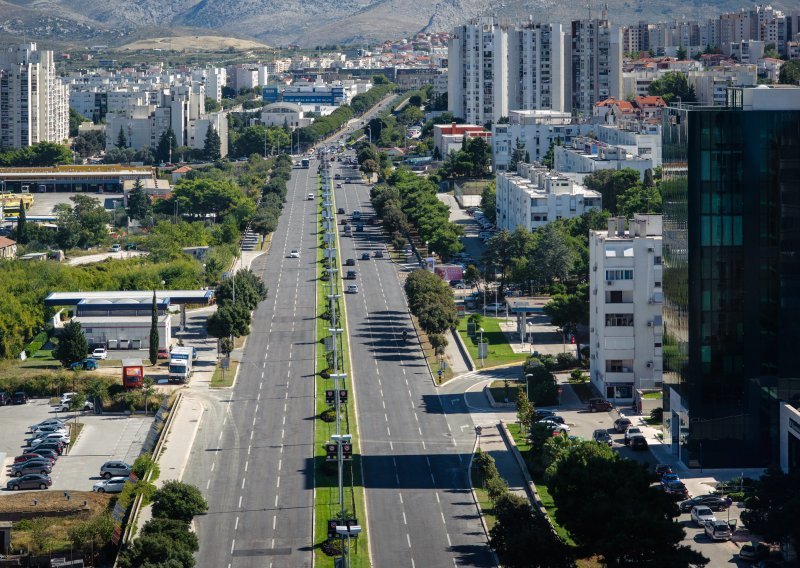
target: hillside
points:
(309, 22)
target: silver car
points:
(113, 485)
(43, 467)
(115, 469)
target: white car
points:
(48, 422)
(495, 307)
(113, 485)
(718, 530)
(554, 426)
(310, 196)
(352, 289)
(65, 406)
(294, 254)
(52, 437)
(100, 353)
(116, 248)
(702, 515)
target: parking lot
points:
(43, 203)
(103, 438)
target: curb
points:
(463, 349)
(478, 505)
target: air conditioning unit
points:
(651, 249)
(650, 324)
(609, 282)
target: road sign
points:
(331, 451)
(342, 396)
(347, 450)
(329, 396)
(483, 350)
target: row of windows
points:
(619, 274)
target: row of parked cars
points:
(19, 397)
(31, 469)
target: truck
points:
(305, 163)
(180, 364)
(132, 373)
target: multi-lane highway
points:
(254, 445)
(415, 455)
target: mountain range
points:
(313, 22)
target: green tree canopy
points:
(212, 144)
(167, 146)
(72, 345)
(82, 224)
(673, 86)
(790, 73)
(611, 184)
(179, 501)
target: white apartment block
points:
(536, 78)
(535, 130)
(638, 138)
(711, 84)
(596, 63)
(533, 196)
(478, 72)
(34, 101)
(588, 155)
(625, 303)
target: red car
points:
(163, 354)
(29, 456)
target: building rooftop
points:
(205, 297)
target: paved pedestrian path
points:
(491, 442)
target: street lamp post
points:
(480, 347)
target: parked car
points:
(32, 466)
(350, 262)
(100, 353)
(669, 478)
(458, 284)
(713, 502)
(676, 489)
(5, 398)
(662, 468)
(115, 469)
(31, 481)
(602, 437)
(20, 397)
(622, 424)
(718, 530)
(113, 485)
(48, 422)
(754, 551)
(638, 443)
(364, 256)
(62, 437)
(87, 364)
(50, 428)
(116, 248)
(65, 406)
(495, 307)
(542, 414)
(599, 405)
(45, 453)
(28, 456)
(553, 418)
(554, 426)
(630, 432)
(55, 446)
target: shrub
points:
(565, 360)
(657, 414)
(37, 343)
(333, 547)
(328, 415)
(177, 500)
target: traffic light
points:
(329, 396)
(331, 451)
(347, 450)
(343, 396)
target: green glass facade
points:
(731, 281)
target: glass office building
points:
(731, 247)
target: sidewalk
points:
(177, 447)
(491, 442)
(454, 357)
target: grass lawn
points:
(499, 393)
(500, 351)
(652, 395)
(224, 378)
(327, 503)
(42, 360)
(487, 509)
(544, 491)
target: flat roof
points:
(531, 304)
(173, 296)
(111, 321)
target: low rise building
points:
(588, 155)
(8, 248)
(533, 196)
(450, 137)
(625, 307)
(286, 114)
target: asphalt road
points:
(415, 454)
(252, 454)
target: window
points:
(619, 320)
(619, 274)
(657, 260)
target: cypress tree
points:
(22, 222)
(154, 332)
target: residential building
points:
(732, 257)
(478, 71)
(34, 101)
(747, 51)
(450, 137)
(625, 307)
(8, 248)
(535, 130)
(533, 196)
(588, 155)
(284, 114)
(536, 79)
(711, 85)
(596, 63)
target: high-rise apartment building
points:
(625, 307)
(34, 102)
(731, 275)
(536, 77)
(596, 63)
(478, 72)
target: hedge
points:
(36, 343)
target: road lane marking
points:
(233, 543)
(405, 522)
(240, 501)
(280, 463)
(274, 520)
(383, 402)
(408, 539)
(248, 448)
(208, 484)
(276, 500)
(246, 463)
(212, 465)
(236, 524)
(401, 498)
(251, 433)
(243, 480)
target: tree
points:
(489, 202)
(772, 510)
(75, 120)
(438, 316)
(212, 105)
(167, 146)
(96, 391)
(631, 523)
(551, 257)
(639, 199)
(212, 145)
(250, 290)
(90, 143)
(438, 343)
(681, 54)
(122, 141)
(472, 276)
(156, 551)
(789, 73)
(72, 345)
(229, 320)
(524, 409)
(154, 331)
(517, 156)
(567, 311)
(82, 224)
(178, 500)
(138, 203)
(92, 535)
(177, 530)
(523, 538)
(22, 225)
(611, 184)
(380, 79)
(672, 86)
